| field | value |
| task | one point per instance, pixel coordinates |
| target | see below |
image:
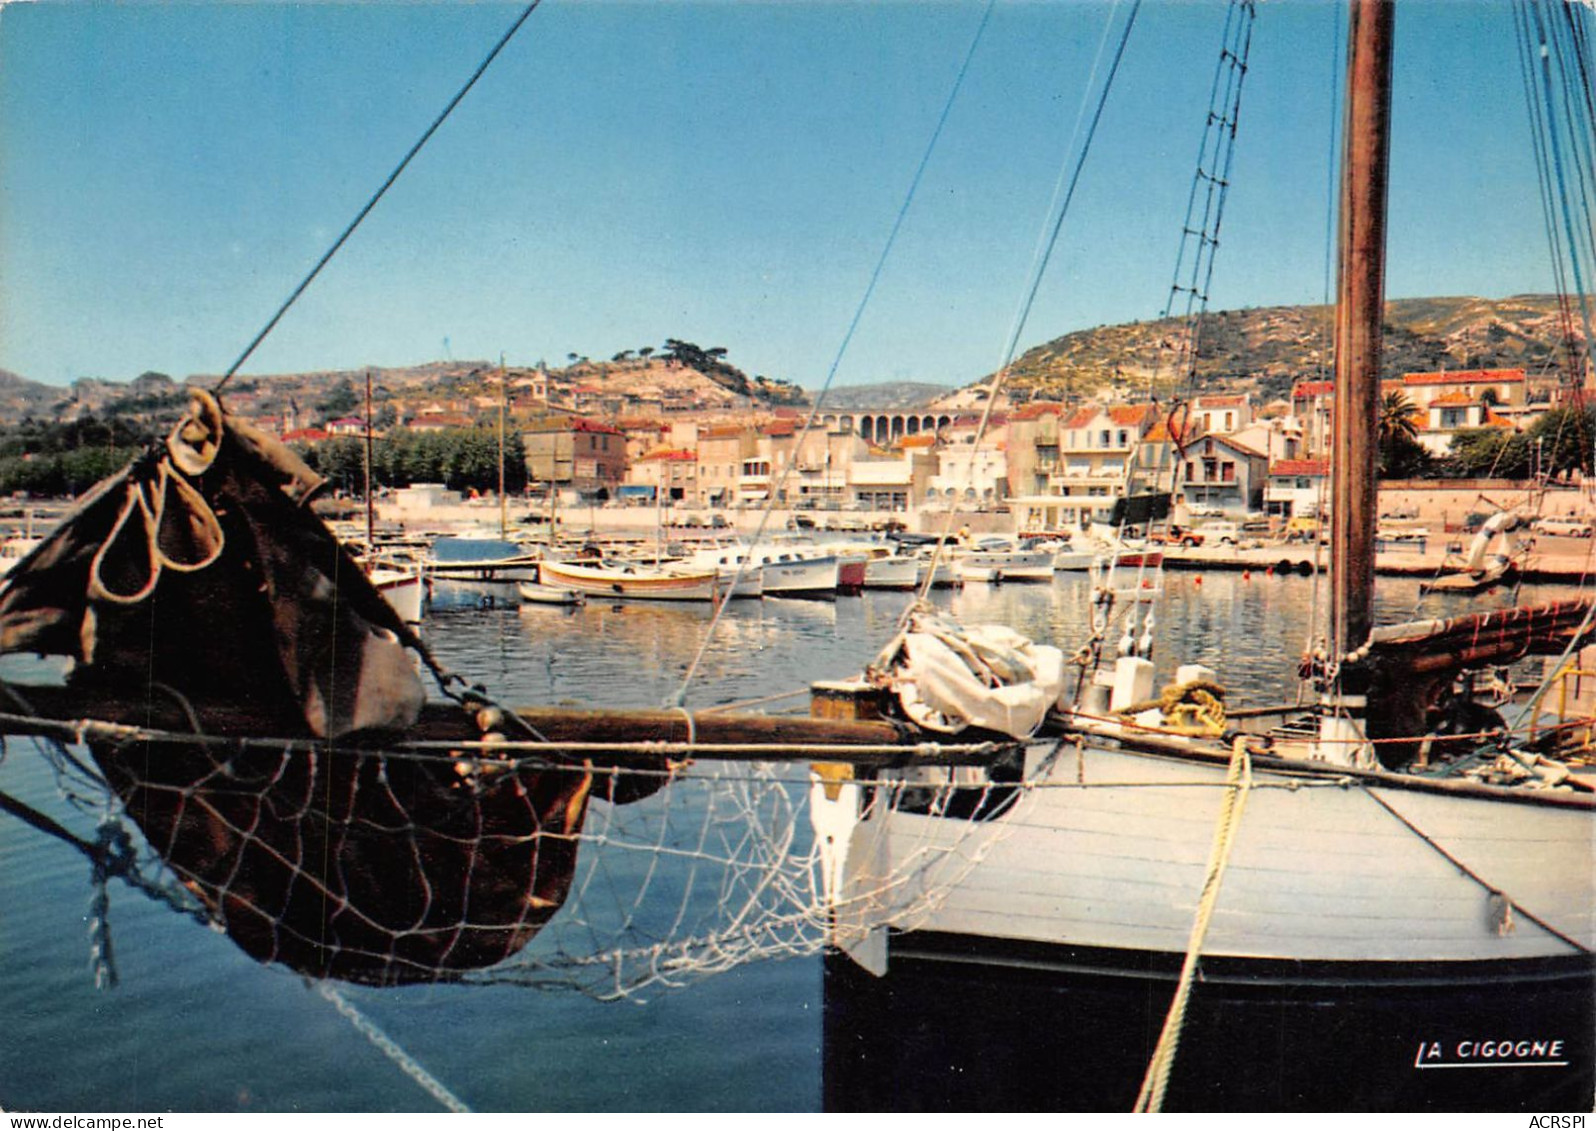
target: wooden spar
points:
(1360, 304)
(445, 722)
(504, 398)
(371, 540)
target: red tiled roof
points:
(923, 440)
(583, 424)
(1456, 396)
(1131, 413)
(673, 454)
(1300, 467)
(1306, 389)
(1466, 377)
(1226, 401)
(1038, 410)
(307, 435)
(780, 428)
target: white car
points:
(1563, 527)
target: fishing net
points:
(261, 724)
(386, 868)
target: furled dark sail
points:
(199, 578)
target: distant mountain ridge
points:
(1261, 350)
(1265, 349)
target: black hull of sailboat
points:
(961, 1024)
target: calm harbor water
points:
(197, 1025)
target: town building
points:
(575, 452)
(1298, 487)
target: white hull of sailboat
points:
(405, 591)
(1110, 851)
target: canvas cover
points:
(201, 569)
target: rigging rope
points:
(378, 195)
(680, 698)
(1048, 245)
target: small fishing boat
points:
(404, 586)
(637, 582)
(536, 593)
(884, 567)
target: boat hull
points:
(891, 573)
(1027, 566)
(405, 592)
(1358, 922)
(635, 583)
(971, 1025)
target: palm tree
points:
(1396, 418)
(1398, 435)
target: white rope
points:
(390, 1048)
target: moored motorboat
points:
(998, 560)
(784, 570)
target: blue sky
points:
(721, 172)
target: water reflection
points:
(1251, 629)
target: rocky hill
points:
(1260, 350)
(1263, 350)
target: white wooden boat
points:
(536, 593)
(14, 549)
(636, 583)
(405, 588)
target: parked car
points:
(1178, 536)
(1223, 533)
(1563, 527)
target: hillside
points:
(1263, 350)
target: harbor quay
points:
(1425, 524)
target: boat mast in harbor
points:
(1360, 304)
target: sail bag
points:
(198, 577)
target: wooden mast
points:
(371, 521)
(1360, 303)
(504, 503)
